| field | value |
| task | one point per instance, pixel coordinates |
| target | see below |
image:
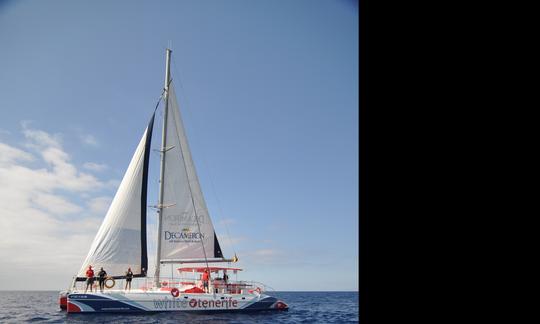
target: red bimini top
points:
(201, 269)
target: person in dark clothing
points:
(89, 279)
(129, 277)
(102, 275)
(226, 280)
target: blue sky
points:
(268, 91)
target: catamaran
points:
(185, 238)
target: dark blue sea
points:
(304, 307)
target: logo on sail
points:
(184, 219)
(185, 236)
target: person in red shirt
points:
(89, 278)
(205, 277)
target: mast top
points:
(167, 72)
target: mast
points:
(162, 169)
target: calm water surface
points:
(304, 307)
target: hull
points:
(161, 301)
(62, 300)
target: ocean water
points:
(304, 307)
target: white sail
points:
(185, 219)
(121, 240)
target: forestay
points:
(121, 240)
(185, 218)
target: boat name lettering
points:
(78, 296)
(170, 303)
(184, 219)
(195, 303)
(225, 303)
(183, 236)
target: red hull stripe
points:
(72, 308)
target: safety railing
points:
(188, 285)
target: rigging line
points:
(224, 221)
(184, 93)
(191, 193)
(177, 69)
(157, 105)
(155, 109)
(159, 100)
(161, 96)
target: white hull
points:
(164, 301)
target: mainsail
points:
(121, 240)
(185, 219)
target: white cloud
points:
(64, 175)
(113, 183)
(41, 138)
(89, 140)
(10, 154)
(34, 199)
(98, 167)
(99, 205)
(55, 204)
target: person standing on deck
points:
(226, 280)
(129, 277)
(205, 278)
(102, 275)
(89, 278)
(225, 276)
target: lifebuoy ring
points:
(113, 282)
(175, 292)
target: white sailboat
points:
(185, 236)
